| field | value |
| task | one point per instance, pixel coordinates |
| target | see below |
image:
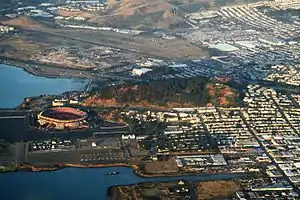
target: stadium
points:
(63, 118)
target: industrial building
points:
(140, 71)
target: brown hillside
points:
(66, 13)
(222, 93)
(131, 7)
(128, 7)
(144, 11)
(23, 22)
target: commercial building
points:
(140, 71)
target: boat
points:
(112, 173)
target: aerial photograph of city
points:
(150, 99)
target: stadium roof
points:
(224, 47)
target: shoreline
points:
(31, 168)
(173, 174)
(28, 66)
(136, 170)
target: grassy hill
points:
(197, 91)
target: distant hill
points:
(141, 14)
(197, 91)
(156, 13)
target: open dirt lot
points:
(216, 189)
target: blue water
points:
(76, 183)
(16, 84)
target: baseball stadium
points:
(63, 118)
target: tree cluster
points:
(191, 90)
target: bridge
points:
(88, 86)
(7, 110)
(13, 114)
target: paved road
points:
(111, 133)
(13, 117)
(114, 127)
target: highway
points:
(4, 110)
(110, 133)
(114, 127)
(13, 117)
